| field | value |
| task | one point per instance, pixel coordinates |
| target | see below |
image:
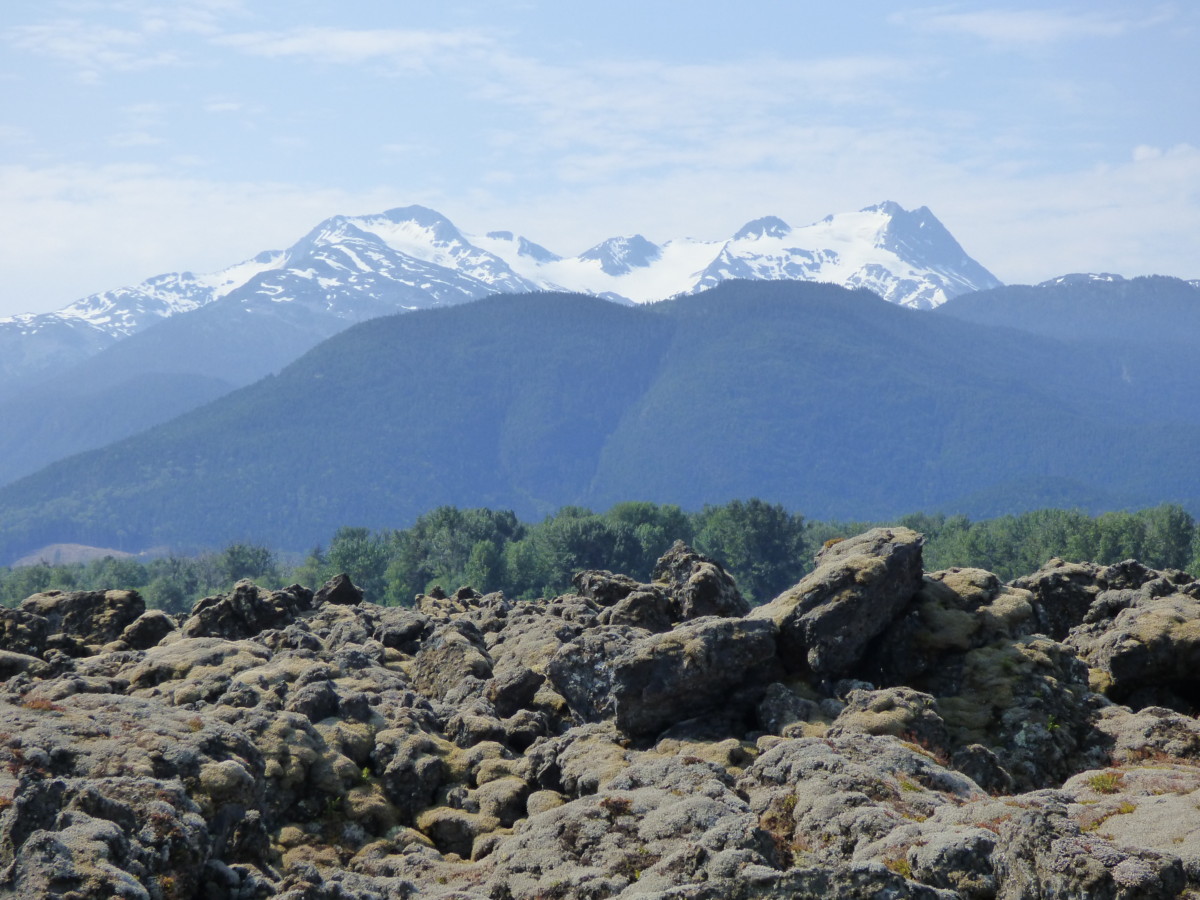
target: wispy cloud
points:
(409, 49)
(98, 227)
(607, 119)
(130, 139)
(135, 34)
(90, 48)
(1026, 26)
(600, 118)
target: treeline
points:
(764, 546)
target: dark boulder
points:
(245, 611)
(697, 584)
(703, 666)
(339, 589)
(90, 617)
(859, 586)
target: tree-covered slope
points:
(1153, 308)
(839, 405)
(503, 403)
(831, 402)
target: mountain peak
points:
(620, 255)
(891, 208)
(420, 215)
(767, 226)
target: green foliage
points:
(766, 545)
(238, 561)
(824, 400)
(765, 548)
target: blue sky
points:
(145, 136)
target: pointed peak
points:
(535, 251)
(619, 255)
(767, 226)
(893, 209)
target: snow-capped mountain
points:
(352, 268)
(907, 257)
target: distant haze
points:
(139, 137)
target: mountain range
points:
(116, 362)
(828, 400)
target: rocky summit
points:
(877, 731)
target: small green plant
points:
(899, 865)
(1123, 809)
(1106, 782)
(1052, 723)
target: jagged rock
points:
(315, 701)
(338, 589)
(512, 688)
(647, 606)
(290, 752)
(23, 632)
(781, 707)
(827, 620)
(1041, 852)
(697, 585)
(901, 712)
(581, 670)
(1145, 644)
(854, 796)
(1062, 593)
(452, 654)
(401, 629)
(579, 762)
(1027, 701)
(90, 617)
(647, 682)
(659, 824)
(412, 767)
(1152, 733)
(702, 666)
(244, 612)
(603, 586)
(147, 630)
(955, 611)
(957, 860)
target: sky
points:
(147, 136)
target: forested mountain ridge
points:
(1091, 307)
(829, 401)
(117, 362)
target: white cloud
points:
(1025, 26)
(131, 139)
(14, 135)
(408, 49)
(90, 48)
(604, 120)
(223, 106)
(68, 231)
(87, 41)
(1135, 218)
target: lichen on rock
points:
(875, 731)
